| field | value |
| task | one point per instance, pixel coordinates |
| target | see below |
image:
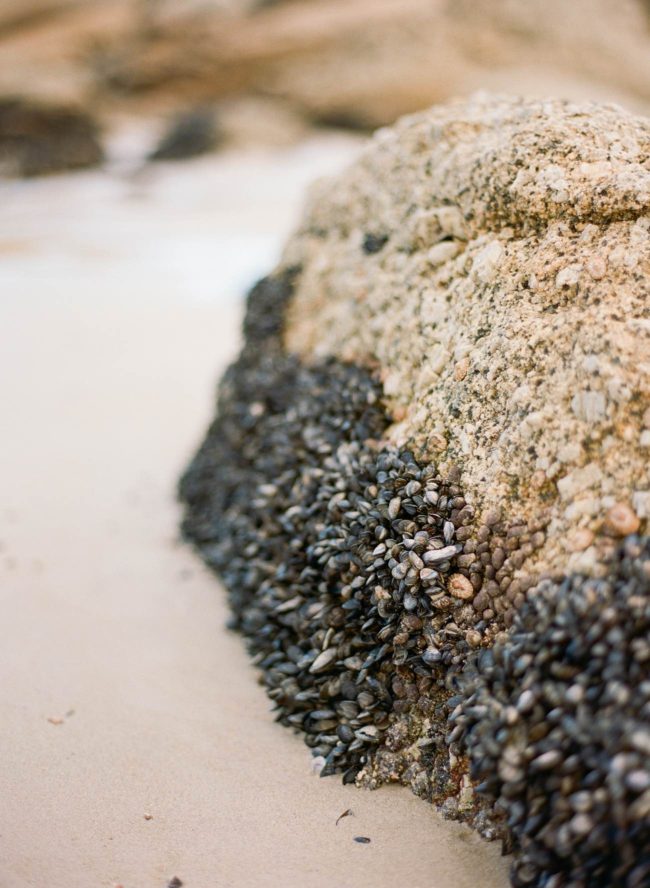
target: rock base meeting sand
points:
(122, 694)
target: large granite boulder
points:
(427, 486)
(506, 304)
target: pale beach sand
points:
(119, 308)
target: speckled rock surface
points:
(492, 259)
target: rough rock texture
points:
(508, 307)
(423, 462)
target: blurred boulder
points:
(358, 65)
(36, 139)
(366, 63)
(48, 53)
(189, 134)
(21, 13)
(260, 120)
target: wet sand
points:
(121, 692)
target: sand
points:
(121, 692)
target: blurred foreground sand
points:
(119, 307)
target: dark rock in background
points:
(189, 134)
(36, 139)
(358, 65)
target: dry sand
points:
(117, 311)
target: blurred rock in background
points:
(36, 139)
(316, 62)
(189, 134)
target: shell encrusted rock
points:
(427, 485)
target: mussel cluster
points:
(339, 553)
(557, 727)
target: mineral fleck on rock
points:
(424, 488)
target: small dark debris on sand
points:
(347, 813)
(362, 840)
(60, 719)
